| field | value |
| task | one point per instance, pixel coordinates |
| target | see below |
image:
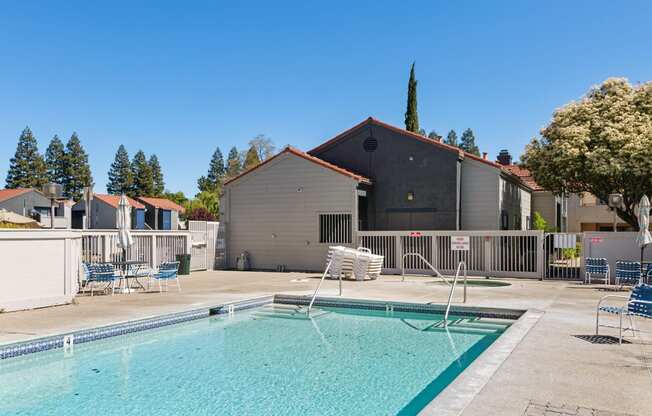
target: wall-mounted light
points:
(410, 196)
(411, 158)
(299, 189)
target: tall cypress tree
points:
(251, 159)
(142, 173)
(77, 172)
(233, 166)
(55, 160)
(451, 138)
(27, 168)
(216, 171)
(120, 177)
(157, 176)
(411, 115)
(468, 143)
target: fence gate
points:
(198, 236)
(562, 256)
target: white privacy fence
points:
(152, 247)
(490, 253)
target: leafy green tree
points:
(264, 146)
(451, 138)
(77, 171)
(157, 176)
(55, 160)
(178, 197)
(601, 144)
(467, 143)
(434, 135)
(538, 222)
(142, 173)
(411, 115)
(121, 178)
(27, 168)
(216, 171)
(233, 165)
(251, 159)
(208, 201)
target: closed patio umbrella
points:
(644, 238)
(125, 240)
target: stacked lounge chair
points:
(360, 264)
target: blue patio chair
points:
(628, 272)
(167, 271)
(639, 303)
(101, 273)
(596, 266)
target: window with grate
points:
(335, 228)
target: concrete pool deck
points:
(551, 371)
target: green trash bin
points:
(184, 263)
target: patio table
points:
(123, 266)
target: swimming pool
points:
(267, 360)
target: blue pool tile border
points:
(94, 334)
(380, 305)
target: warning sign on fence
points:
(460, 243)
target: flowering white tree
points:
(600, 144)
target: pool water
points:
(269, 360)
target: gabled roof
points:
(525, 176)
(6, 194)
(114, 200)
(409, 134)
(306, 156)
(161, 203)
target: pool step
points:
(288, 312)
(462, 325)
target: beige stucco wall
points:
(40, 268)
(273, 213)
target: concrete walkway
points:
(552, 369)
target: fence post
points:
(106, 248)
(153, 252)
(399, 253)
(541, 254)
(487, 254)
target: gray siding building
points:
(288, 210)
(32, 203)
(104, 212)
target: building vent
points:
(370, 144)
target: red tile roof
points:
(114, 200)
(309, 158)
(6, 194)
(525, 176)
(161, 203)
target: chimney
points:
(484, 155)
(504, 158)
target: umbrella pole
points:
(641, 263)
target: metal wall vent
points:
(370, 144)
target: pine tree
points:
(157, 176)
(468, 143)
(233, 166)
(451, 138)
(55, 161)
(142, 173)
(216, 171)
(121, 179)
(411, 115)
(77, 172)
(251, 159)
(434, 135)
(27, 168)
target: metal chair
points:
(101, 273)
(639, 303)
(167, 271)
(596, 266)
(628, 272)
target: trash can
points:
(184, 263)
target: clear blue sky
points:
(179, 79)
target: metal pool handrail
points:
(323, 276)
(450, 295)
(423, 259)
